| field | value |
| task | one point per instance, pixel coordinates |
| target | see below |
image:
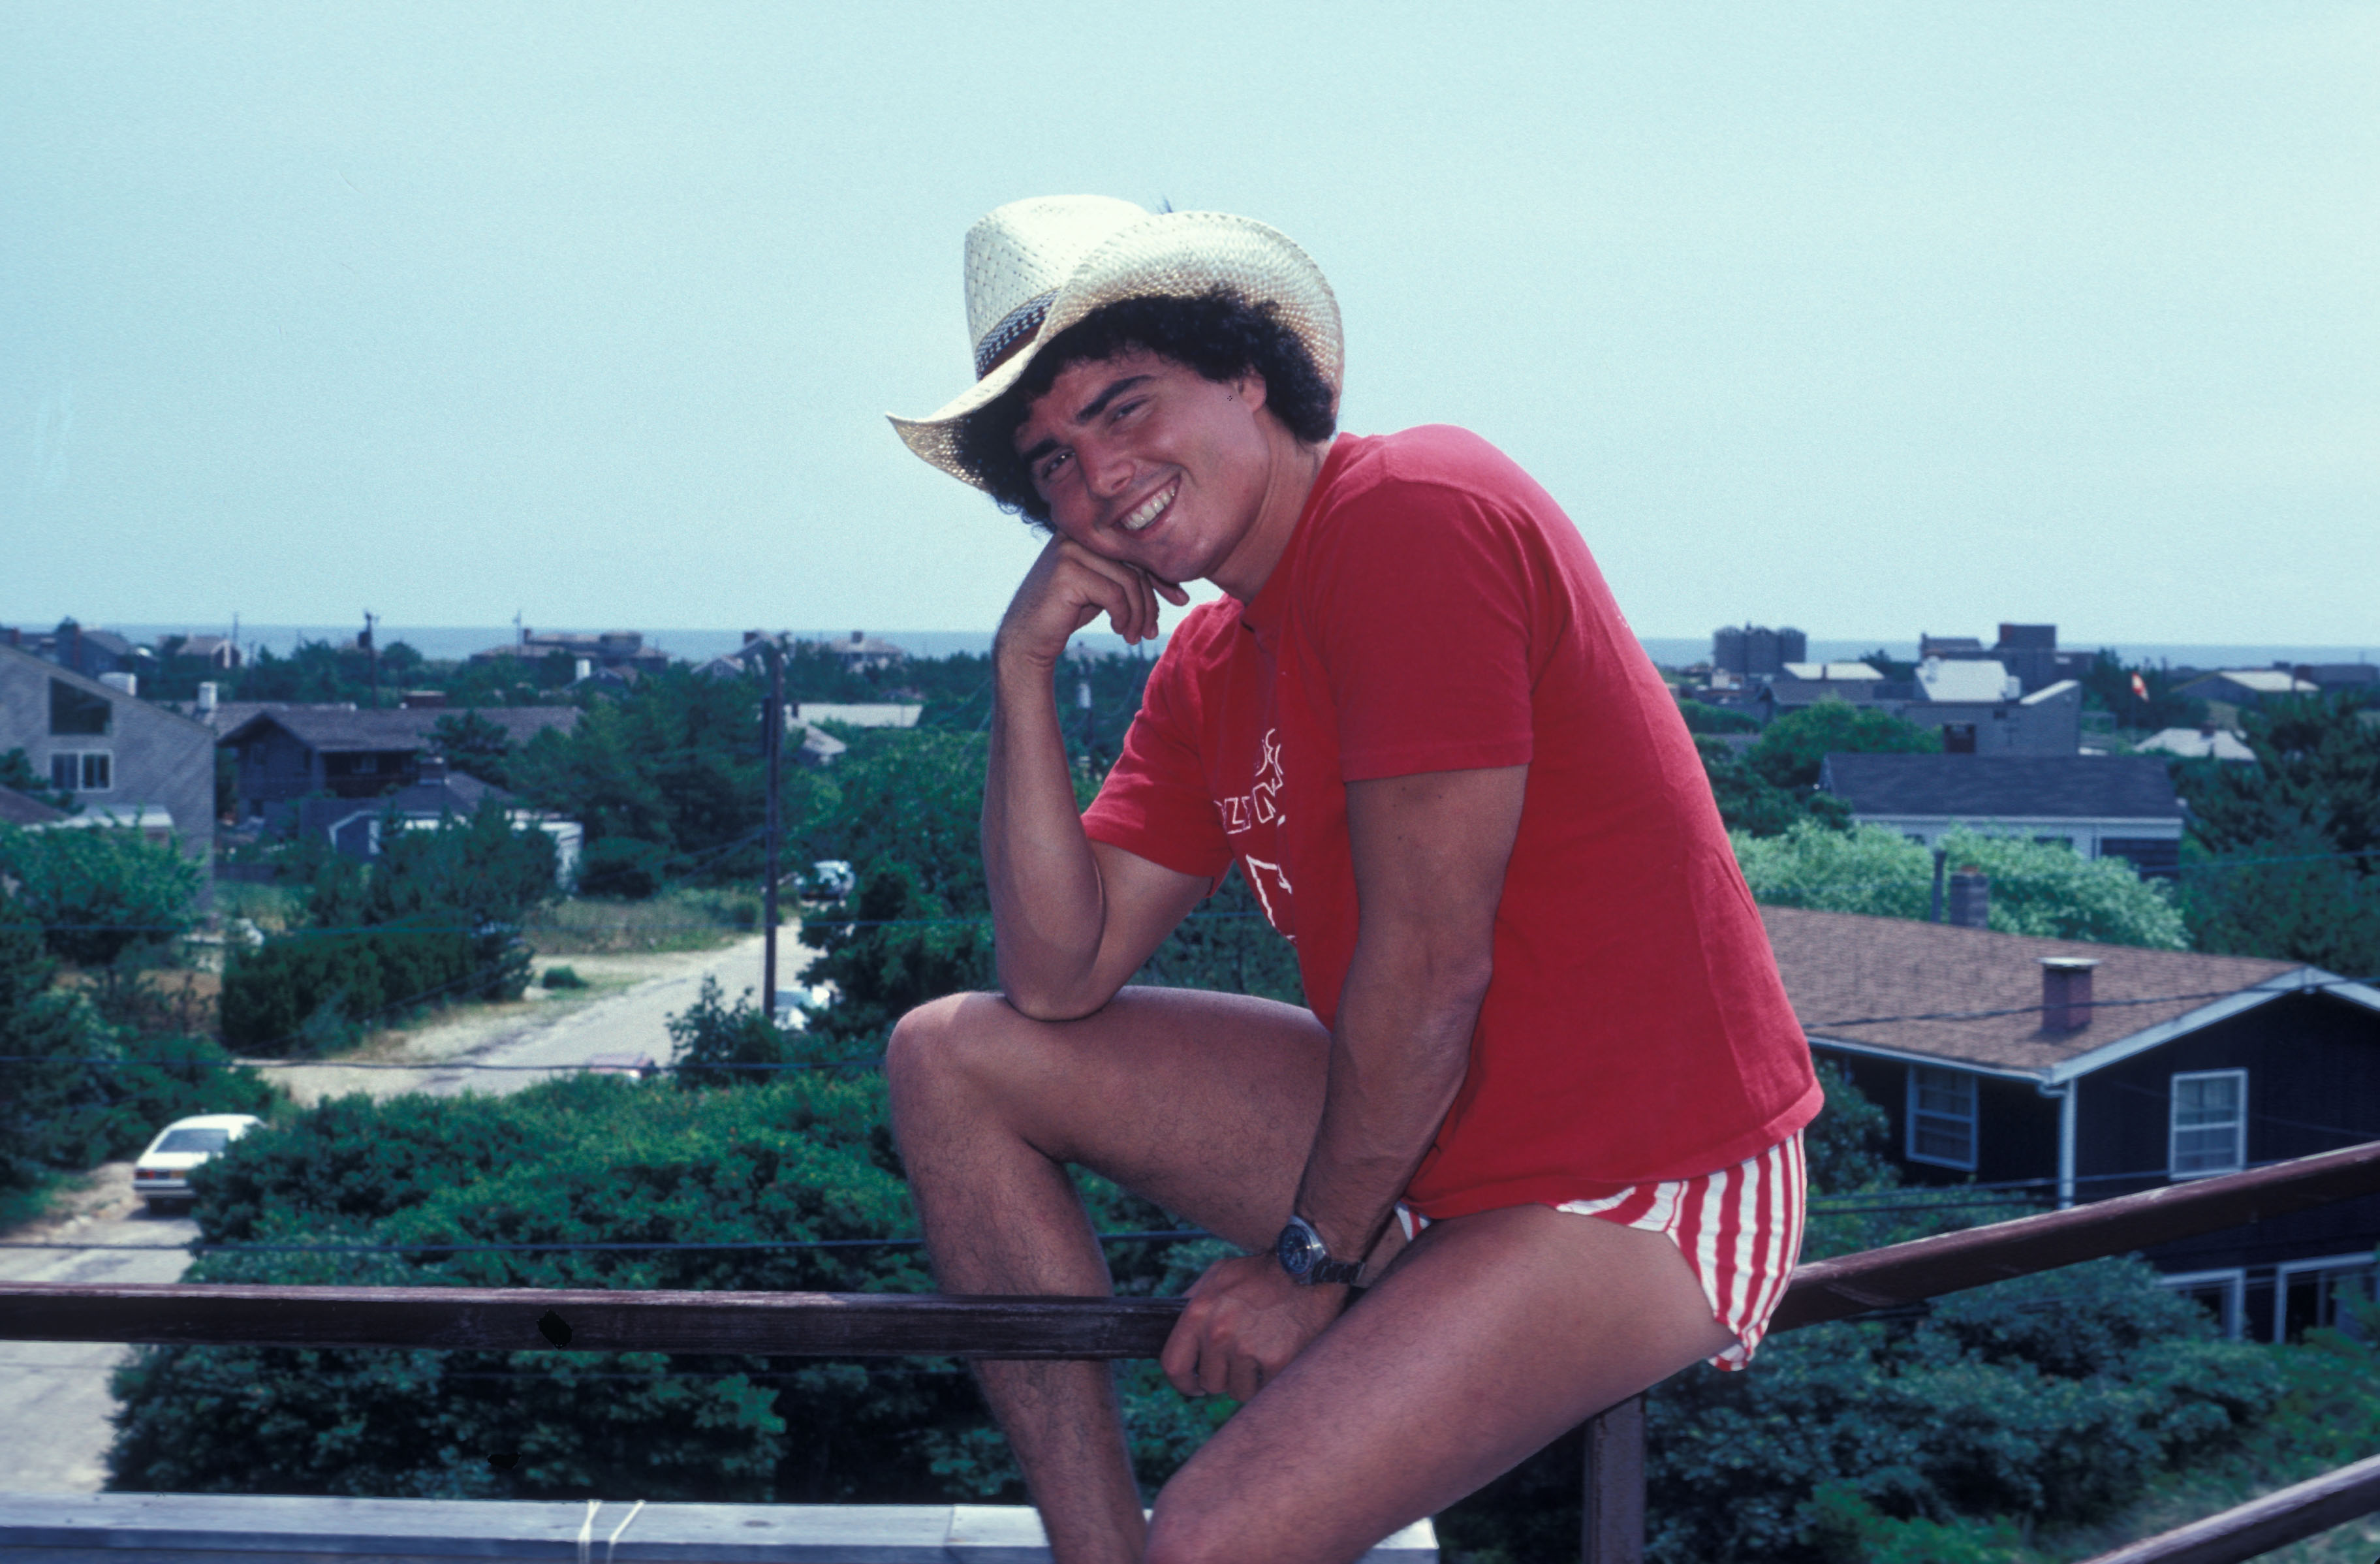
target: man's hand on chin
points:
(1245, 1320)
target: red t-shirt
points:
(1435, 611)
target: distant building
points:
(2027, 652)
(2245, 687)
(2342, 678)
(2103, 806)
(2094, 1070)
(287, 753)
(608, 649)
(883, 714)
(1756, 648)
(357, 827)
(864, 652)
(124, 760)
(215, 652)
(2196, 743)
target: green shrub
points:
(591, 1159)
(99, 892)
(303, 992)
(621, 867)
(74, 1090)
(562, 978)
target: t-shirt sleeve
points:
(1155, 803)
(1423, 608)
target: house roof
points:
(877, 714)
(92, 686)
(1831, 670)
(2196, 745)
(1847, 973)
(18, 809)
(2260, 681)
(336, 729)
(1980, 787)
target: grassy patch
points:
(32, 1201)
(675, 920)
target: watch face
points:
(1295, 1249)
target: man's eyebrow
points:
(1034, 455)
(1115, 389)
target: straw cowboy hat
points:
(1036, 267)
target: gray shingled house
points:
(2102, 805)
(289, 753)
(123, 759)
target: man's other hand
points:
(1069, 587)
(1245, 1320)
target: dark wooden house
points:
(2090, 1071)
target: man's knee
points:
(945, 1042)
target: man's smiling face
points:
(1152, 464)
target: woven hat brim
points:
(1172, 254)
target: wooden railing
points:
(875, 1325)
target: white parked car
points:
(161, 1176)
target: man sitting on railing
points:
(1420, 726)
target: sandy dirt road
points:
(53, 1396)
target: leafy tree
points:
(99, 892)
(2107, 686)
(437, 917)
(17, 774)
(74, 1090)
(1703, 718)
(675, 762)
(2285, 854)
(1791, 748)
(1749, 802)
(2038, 887)
(473, 744)
(2317, 768)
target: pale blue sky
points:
(1871, 318)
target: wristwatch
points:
(1308, 1259)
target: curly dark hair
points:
(1221, 334)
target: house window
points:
(1958, 738)
(88, 771)
(1942, 1117)
(2210, 1122)
(76, 712)
(2311, 1293)
(2223, 1294)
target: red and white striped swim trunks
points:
(1740, 1230)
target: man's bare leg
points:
(1490, 1336)
(1204, 1103)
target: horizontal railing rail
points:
(2257, 1527)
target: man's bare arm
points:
(1429, 853)
(1429, 856)
(1072, 919)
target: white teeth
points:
(1150, 508)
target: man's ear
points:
(1250, 389)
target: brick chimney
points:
(2066, 992)
(1970, 898)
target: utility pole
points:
(371, 650)
(772, 746)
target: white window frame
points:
(2174, 1126)
(1970, 1119)
(2362, 1260)
(82, 760)
(2235, 1294)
